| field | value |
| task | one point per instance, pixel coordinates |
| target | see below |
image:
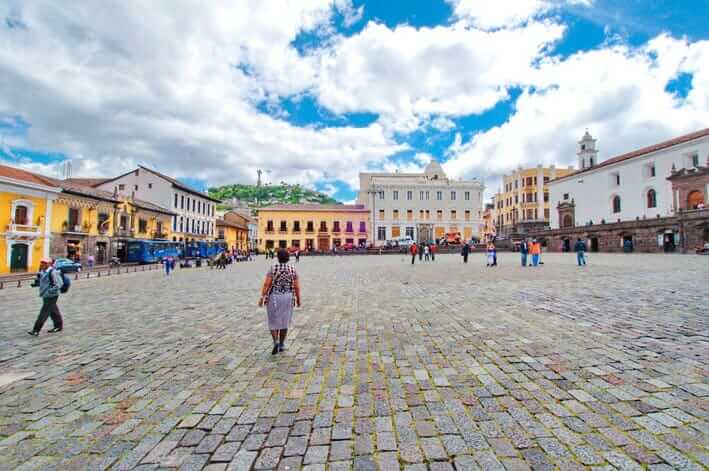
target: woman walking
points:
(280, 292)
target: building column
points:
(540, 193)
(47, 227)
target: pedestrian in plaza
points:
(167, 264)
(434, 247)
(90, 261)
(491, 255)
(536, 250)
(280, 292)
(413, 250)
(524, 251)
(421, 247)
(580, 249)
(465, 251)
(297, 255)
(426, 252)
(50, 282)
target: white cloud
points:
(617, 92)
(443, 124)
(126, 82)
(408, 74)
(492, 14)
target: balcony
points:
(22, 231)
(75, 228)
(159, 235)
(269, 231)
(123, 232)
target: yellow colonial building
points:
(522, 204)
(313, 226)
(46, 217)
(233, 230)
(26, 206)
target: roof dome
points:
(434, 170)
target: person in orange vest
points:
(413, 250)
(536, 250)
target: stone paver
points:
(389, 366)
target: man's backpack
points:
(66, 283)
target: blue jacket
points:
(50, 282)
(523, 248)
(580, 246)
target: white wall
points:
(157, 190)
(593, 191)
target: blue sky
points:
(320, 94)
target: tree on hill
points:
(257, 196)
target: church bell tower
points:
(587, 152)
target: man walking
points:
(580, 249)
(49, 281)
(433, 251)
(413, 250)
(524, 250)
(465, 251)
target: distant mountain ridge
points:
(265, 195)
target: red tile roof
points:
(642, 151)
(222, 222)
(25, 176)
(86, 181)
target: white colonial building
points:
(195, 212)
(423, 206)
(627, 187)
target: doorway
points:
(101, 251)
(323, 244)
(566, 245)
(18, 258)
(668, 242)
(594, 244)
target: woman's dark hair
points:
(283, 256)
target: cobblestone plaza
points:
(435, 366)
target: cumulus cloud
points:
(506, 13)
(618, 93)
(172, 85)
(407, 74)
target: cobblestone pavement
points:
(438, 366)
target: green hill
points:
(265, 195)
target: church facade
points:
(649, 200)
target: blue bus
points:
(151, 251)
(203, 249)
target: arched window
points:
(21, 215)
(651, 198)
(616, 204)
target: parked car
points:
(66, 265)
(703, 250)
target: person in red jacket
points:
(413, 250)
(434, 247)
